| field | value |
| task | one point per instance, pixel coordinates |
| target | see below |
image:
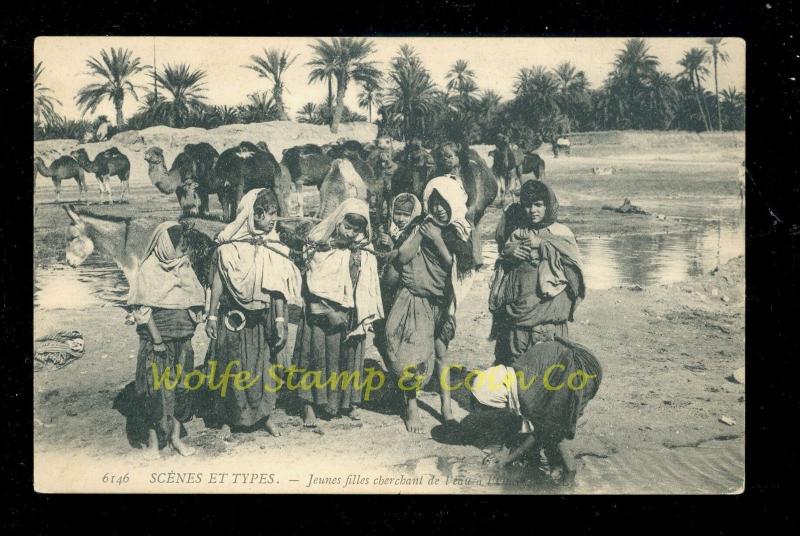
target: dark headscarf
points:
(535, 190)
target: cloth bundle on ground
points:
(254, 263)
(57, 350)
(328, 273)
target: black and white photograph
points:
(389, 265)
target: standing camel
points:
(194, 165)
(106, 164)
(62, 168)
(507, 166)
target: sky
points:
(495, 61)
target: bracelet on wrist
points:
(211, 317)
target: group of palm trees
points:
(409, 103)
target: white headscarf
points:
(496, 387)
(394, 230)
(328, 274)
(452, 191)
(164, 280)
(251, 271)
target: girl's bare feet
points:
(175, 440)
(413, 422)
(271, 429)
(354, 413)
(151, 450)
(309, 417)
(181, 448)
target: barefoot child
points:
(167, 298)
(435, 268)
(548, 387)
(252, 278)
(342, 297)
(403, 210)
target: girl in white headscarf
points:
(167, 299)
(342, 298)
(252, 279)
(435, 271)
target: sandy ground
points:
(668, 352)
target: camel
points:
(62, 168)
(507, 166)
(239, 170)
(533, 163)
(341, 182)
(284, 187)
(414, 167)
(348, 149)
(106, 164)
(195, 163)
(478, 181)
(307, 164)
(385, 169)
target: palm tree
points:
(43, 102)
(272, 66)
(411, 95)
(634, 63)
(661, 97)
(343, 60)
(371, 95)
(570, 79)
(460, 78)
(633, 66)
(538, 87)
(116, 70)
(573, 88)
(719, 56)
(308, 113)
(694, 70)
(185, 87)
(733, 105)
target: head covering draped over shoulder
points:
(164, 279)
(453, 193)
(535, 190)
(328, 273)
(252, 271)
(406, 202)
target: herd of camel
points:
(374, 172)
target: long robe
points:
(533, 300)
(176, 328)
(554, 410)
(421, 311)
(326, 352)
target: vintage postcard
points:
(389, 265)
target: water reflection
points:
(650, 259)
(643, 259)
(647, 259)
(91, 285)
